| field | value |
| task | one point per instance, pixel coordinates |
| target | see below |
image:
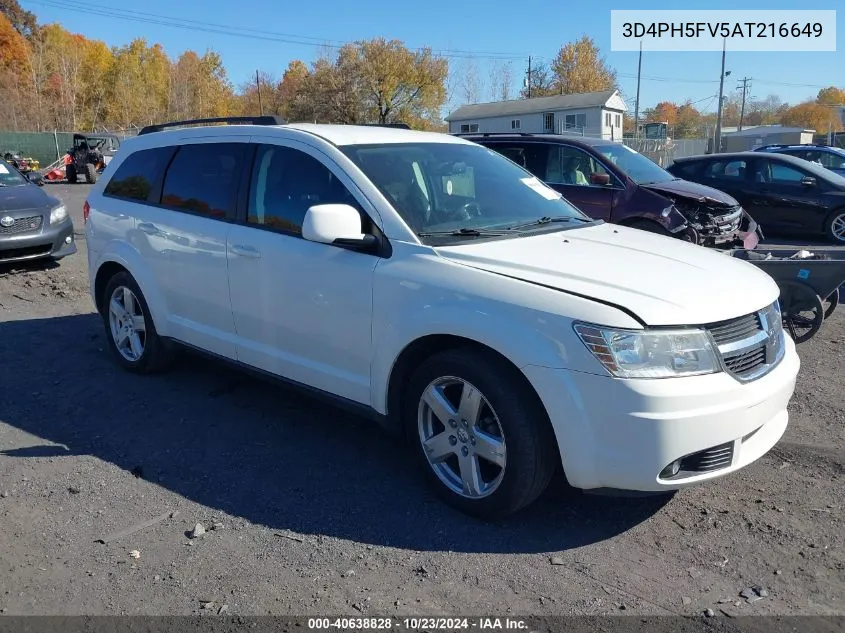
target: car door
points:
(189, 229)
(302, 310)
(731, 175)
(570, 170)
(791, 205)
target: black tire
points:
(157, 353)
(90, 173)
(647, 225)
(832, 300)
(70, 174)
(802, 310)
(834, 228)
(531, 456)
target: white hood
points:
(663, 280)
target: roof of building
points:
(764, 130)
(531, 106)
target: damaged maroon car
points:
(610, 181)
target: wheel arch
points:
(122, 258)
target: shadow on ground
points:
(260, 451)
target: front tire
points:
(479, 433)
(90, 173)
(70, 174)
(130, 331)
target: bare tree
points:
(471, 82)
(501, 76)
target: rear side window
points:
(137, 175)
(685, 170)
(727, 170)
(203, 179)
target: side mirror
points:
(600, 179)
(808, 181)
(336, 224)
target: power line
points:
(247, 32)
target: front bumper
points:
(50, 241)
(615, 433)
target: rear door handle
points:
(148, 227)
(245, 251)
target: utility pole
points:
(744, 81)
(637, 106)
(717, 147)
(529, 77)
(258, 83)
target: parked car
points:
(610, 181)
(33, 224)
(785, 194)
(831, 157)
(439, 288)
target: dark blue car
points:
(831, 157)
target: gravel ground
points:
(310, 511)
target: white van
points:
(438, 287)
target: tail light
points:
(86, 209)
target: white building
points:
(597, 114)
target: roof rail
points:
(270, 119)
(401, 126)
(494, 134)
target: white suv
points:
(439, 287)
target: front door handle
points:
(245, 251)
(148, 227)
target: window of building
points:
(515, 124)
(203, 179)
(607, 119)
(135, 177)
(549, 122)
(576, 122)
(618, 120)
(469, 128)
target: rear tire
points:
(499, 458)
(130, 331)
(835, 227)
(70, 173)
(90, 173)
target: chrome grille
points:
(751, 345)
(22, 225)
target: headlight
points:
(58, 214)
(650, 353)
(667, 211)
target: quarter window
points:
(136, 176)
(285, 183)
(203, 179)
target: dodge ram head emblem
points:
(7, 221)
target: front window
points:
(468, 190)
(638, 168)
(9, 176)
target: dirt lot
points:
(317, 512)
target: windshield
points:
(9, 176)
(443, 187)
(640, 169)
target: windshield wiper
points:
(548, 220)
(465, 231)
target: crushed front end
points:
(716, 224)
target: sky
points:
(268, 34)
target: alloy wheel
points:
(462, 437)
(126, 322)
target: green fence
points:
(38, 145)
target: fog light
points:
(671, 470)
(68, 239)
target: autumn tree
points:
(14, 57)
(396, 82)
(663, 112)
(22, 21)
(140, 81)
(831, 96)
(813, 116)
(580, 67)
